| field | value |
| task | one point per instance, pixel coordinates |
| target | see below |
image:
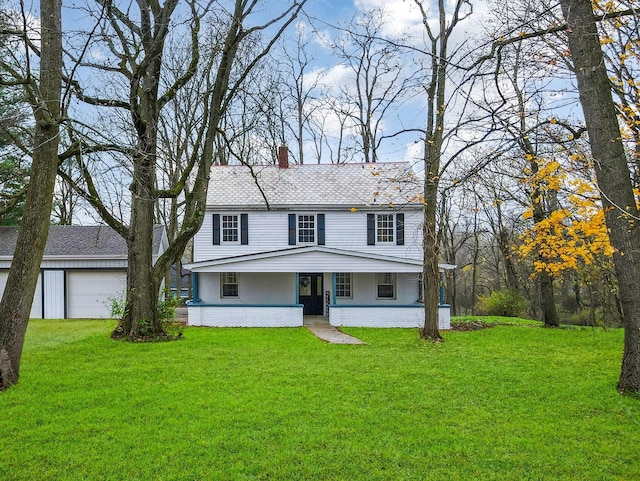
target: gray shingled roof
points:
(345, 185)
(80, 241)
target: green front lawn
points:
(506, 403)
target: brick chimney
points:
(283, 156)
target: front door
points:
(310, 294)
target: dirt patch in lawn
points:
(471, 325)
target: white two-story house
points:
(281, 242)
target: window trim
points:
(313, 230)
(348, 285)
(242, 228)
(236, 218)
(224, 281)
(393, 283)
(318, 229)
(395, 229)
(391, 227)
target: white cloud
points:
(332, 78)
(15, 20)
(403, 16)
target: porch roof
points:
(310, 259)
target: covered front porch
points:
(305, 285)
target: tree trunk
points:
(141, 316)
(430, 271)
(452, 292)
(32, 236)
(507, 256)
(612, 174)
(592, 307)
(548, 300)
(141, 310)
(474, 272)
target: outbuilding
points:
(84, 268)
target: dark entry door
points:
(310, 294)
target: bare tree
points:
(301, 88)
(135, 65)
(43, 92)
(612, 173)
(438, 54)
(522, 123)
(380, 80)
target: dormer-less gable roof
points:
(79, 241)
(313, 185)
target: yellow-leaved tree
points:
(574, 233)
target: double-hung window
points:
(229, 284)
(306, 229)
(343, 285)
(386, 285)
(385, 229)
(230, 229)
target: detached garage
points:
(84, 268)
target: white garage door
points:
(90, 293)
(36, 305)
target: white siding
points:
(84, 264)
(245, 316)
(89, 293)
(364, 288)
(36, 305)
(54, 294)
(253, 288)
(313, 262)
(385, 316)
(268, 231)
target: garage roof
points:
(80, 241)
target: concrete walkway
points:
(321, 328)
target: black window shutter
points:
(371, 229)
(216, 229)
(399, 229)
(320, 229)
(292, 229)
(244, 229)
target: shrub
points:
(507, 303)
(166, 315)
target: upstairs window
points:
(306, 229)
(385, 229)
(230, 229)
